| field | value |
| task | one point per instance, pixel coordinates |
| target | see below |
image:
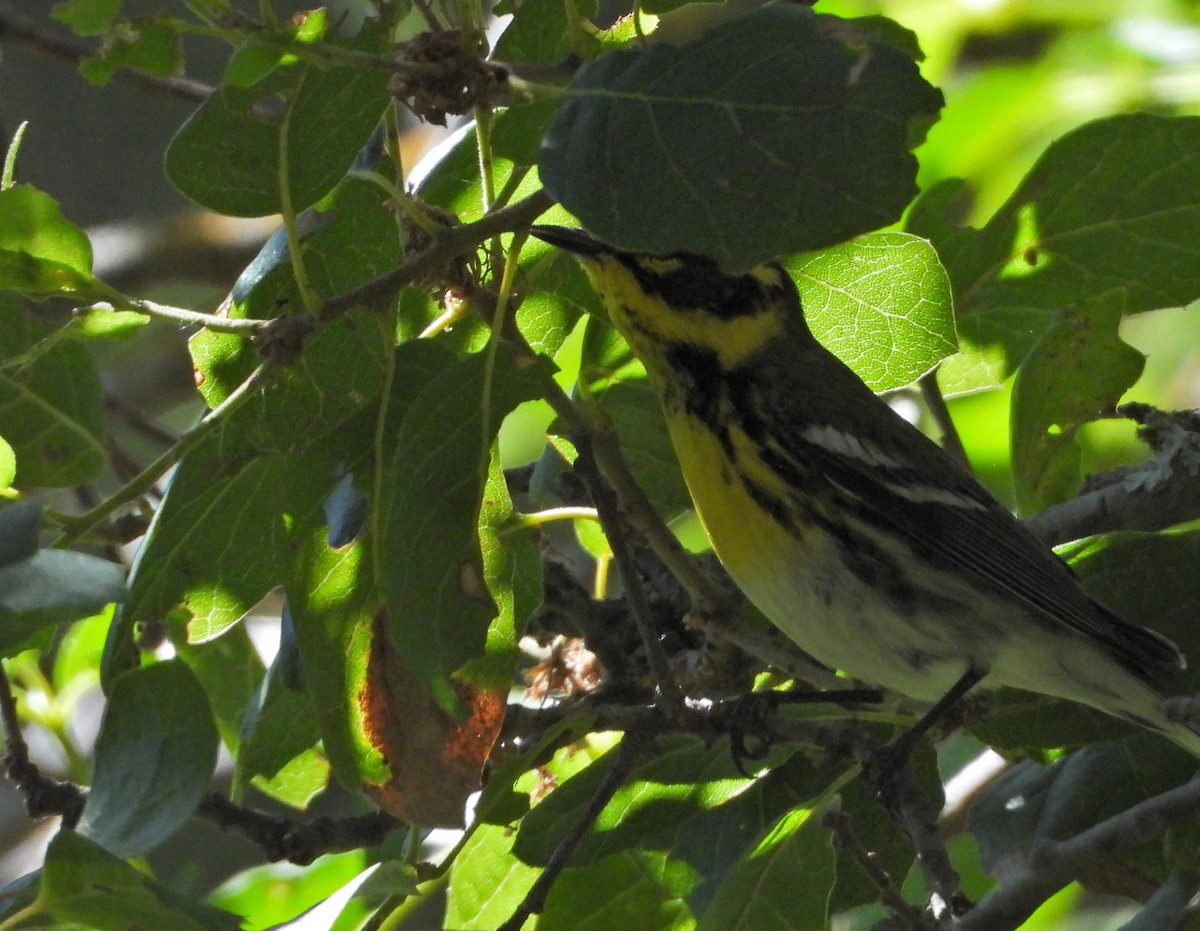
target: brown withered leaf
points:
(435, 761)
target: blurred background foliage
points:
(1016, 75)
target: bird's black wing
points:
(899, 478)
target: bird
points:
(853, 532)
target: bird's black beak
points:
(570, 239)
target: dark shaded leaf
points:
(776, 132)
(154, 759)
(83, 883)
(1112, 208)
(50, 403)
(439, 608)
(227, 155)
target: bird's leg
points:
(902, 749)
(887, 762)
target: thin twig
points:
(633, 746)
(707, 598)
(931, 392)
(849, 847)
(76, 527)
(242, 326)
(15, 25)
(612, 520)
(446, 246)
(709, 602)
(132, 417)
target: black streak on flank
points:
(704, 390)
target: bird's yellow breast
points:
(748, 541)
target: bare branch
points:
(16, 26)
(296, 841)
(1052, 865)
(43, 795)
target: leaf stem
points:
(181, 315)
(76, 527)
(308, 296)
(537, 518)
(931, 392)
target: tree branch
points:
(76, 527)
(43, 795)
(931, 392)
(1157, 494)
(447, 245)
(608, 507)
(1053, 864)
(295, 841)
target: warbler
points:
(853, 532)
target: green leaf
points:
(334, 601)
(87, 17)
(1145, 578)
(634, 408)
(1078, 368)
(453, 181)
(83, 883)
(487, 882)
(775, 132)
(538, 31)
(20, 523)
(280, 726)
(429, 564)
(512, 570)
(102, 322)
(891, 849)
(881, 303)
(150, 45)
(222, 491)
(226, 156)
(518, 131)
(349, 240)
(8, 465)
(620, 892)
(50, 403)
(40, 251)
(230, 671)
(761, 892)
(154, 759)
(275, 893)
(258, 57)
(44, 588)
(338, 377)
(659, 7)
(53, 587)
(1113, 207)
(656, 805)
